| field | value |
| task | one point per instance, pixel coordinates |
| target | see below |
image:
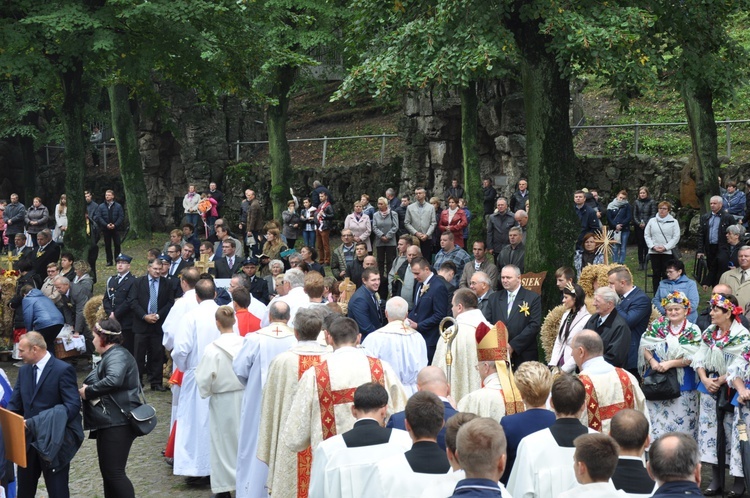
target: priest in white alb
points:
(288, 471)
(343, 464)
(295, 297)
(216, 380)
(189, 277)
(499, 395)
(464, 376)
(197, 330)
(322, 403)
(402, 347)
(251, 366)
(608, 389)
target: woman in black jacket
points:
(644, 208)
(113, 382)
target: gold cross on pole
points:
(604, 242)
(204, 264)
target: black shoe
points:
(715, 487)
(198, 481)
(159, 387)
(738, 489)
(109, 263)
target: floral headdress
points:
(677, 297)
(722, 302)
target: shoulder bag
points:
(660, 386)
(142, 418)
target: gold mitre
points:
(492, 345)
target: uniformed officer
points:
(116, 299)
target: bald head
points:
(722, 289)
(433, 379)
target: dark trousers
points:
(128, 341)
(93, 254)
(57, 482)
(113, 447)
(149, 346)
(385, 255)
(642, 246)
(712, 260)
(49, 334)
(426, 247)
(659, 268)
(111, 237)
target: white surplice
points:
(542, 468)
(284, 465)
(487, 401)
(609, 391)
(394, 478)
(295, 299)
(348, 368)
(251, 366)
(464, 374)
(443, 486)
(192, 450)
(339, 471)
(181, 307)
(595, 490)
(216, 380)
(402, 347)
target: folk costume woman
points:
(670, 343)
(723, 345)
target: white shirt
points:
(41, 364)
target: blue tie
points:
(34, 370)
(152, 297)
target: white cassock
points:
(348, 368)
(285, 467)
(216, 380)
(464, 374)
(342, 472)
(394, 478)
(192, 450)
(181, 307)
(296, 299)
(403, 348)
(251, 366)
(595, 490)
(542, 469)
(609, 390)
(443, 486)
(487, 401)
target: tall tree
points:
(454, 42)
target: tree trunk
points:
(472, 177)
(278, 147)
(131, 170)
(699, 108)
(554, 226)
(71, 118)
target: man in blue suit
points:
(430, 304)
(430, 379)
(634, 307)
(364, 305)
(45, 382)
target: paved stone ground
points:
(150, 475)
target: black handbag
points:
(724, 400)
(142, 418)
(660, 386)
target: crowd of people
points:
(302, 369)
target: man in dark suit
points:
(431, 379)
(116, 299)
(110, 216)
(229, 263)
(712, 237)
(48, 252)
(586, 216)
(258, 285)
(44, 383)
(430, 304)
(630, 429)
(521, 311)
(150, 299)
(612, 328)
(634, 308)
(364, 305)
(20, 250)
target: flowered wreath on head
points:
(677, 297)
(722, 302)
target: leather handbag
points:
(660, 386)
(142, 418)
(724, 400)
